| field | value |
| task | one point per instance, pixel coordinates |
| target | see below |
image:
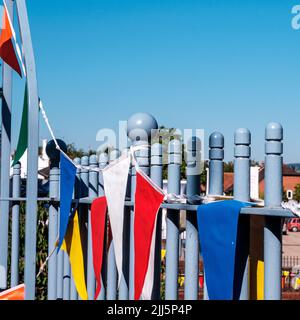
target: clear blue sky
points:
(211, 64)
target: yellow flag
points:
(73, 247)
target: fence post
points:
(33, 144)
(15, 227)
(157, 177)
(172, 243)
(273, 199)
(242, 154)
(139, 131)
(53, 225)
(192, 236)
(103, 162)
(5, 163)
(93, 194)
(83, 210)
(216, 164)
(216, 174)
(66, 278)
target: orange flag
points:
(17, 293)
(7, 50)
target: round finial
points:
(103, 158)
(216, 140)
(274, 131)
(52, 152)
(242, 136)
(140, 127)
(93, 160)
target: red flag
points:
(98, 221)
(148, 200)
(7, 50)
(14, 294)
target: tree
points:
(73, 152)
(297, 193)
(41, 251)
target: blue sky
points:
(211, 64)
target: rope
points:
(43, 266)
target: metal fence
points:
(288, 262)
(89, 185)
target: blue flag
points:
(218, 225)
(67, 182)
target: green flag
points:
(23, 137)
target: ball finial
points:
(140, 127)
(274, 131)
(52, 152)
(216, 140)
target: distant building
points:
(43, 163)
(291, 178)
(295, 166)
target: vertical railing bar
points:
(15, 226)
(242, 154)
(103, 162)
(157, 177)
(93, 194)
(5, 163)
(192, 236)
(216, 174)
(53, 229)
(172, 250)
(273, 199)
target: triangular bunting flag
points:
(115, 179)
(14, 294)
(218, 233)
(148, 200)
(7, 50)
(67, 183)
(73, 247)
(98, 221)
(23, 137)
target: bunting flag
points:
(115, 179)
(218, 233)
(7, 40)
(98, 222)
(23, 137)
(73, 247)
(148, 200)
(14, 294)
(67, 181)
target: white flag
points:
(115, 179)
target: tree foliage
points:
(41, 251)
(297, 193)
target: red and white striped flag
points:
(148, 199)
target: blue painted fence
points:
(89, 185)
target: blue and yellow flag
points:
(73, 247)
(67, 183)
